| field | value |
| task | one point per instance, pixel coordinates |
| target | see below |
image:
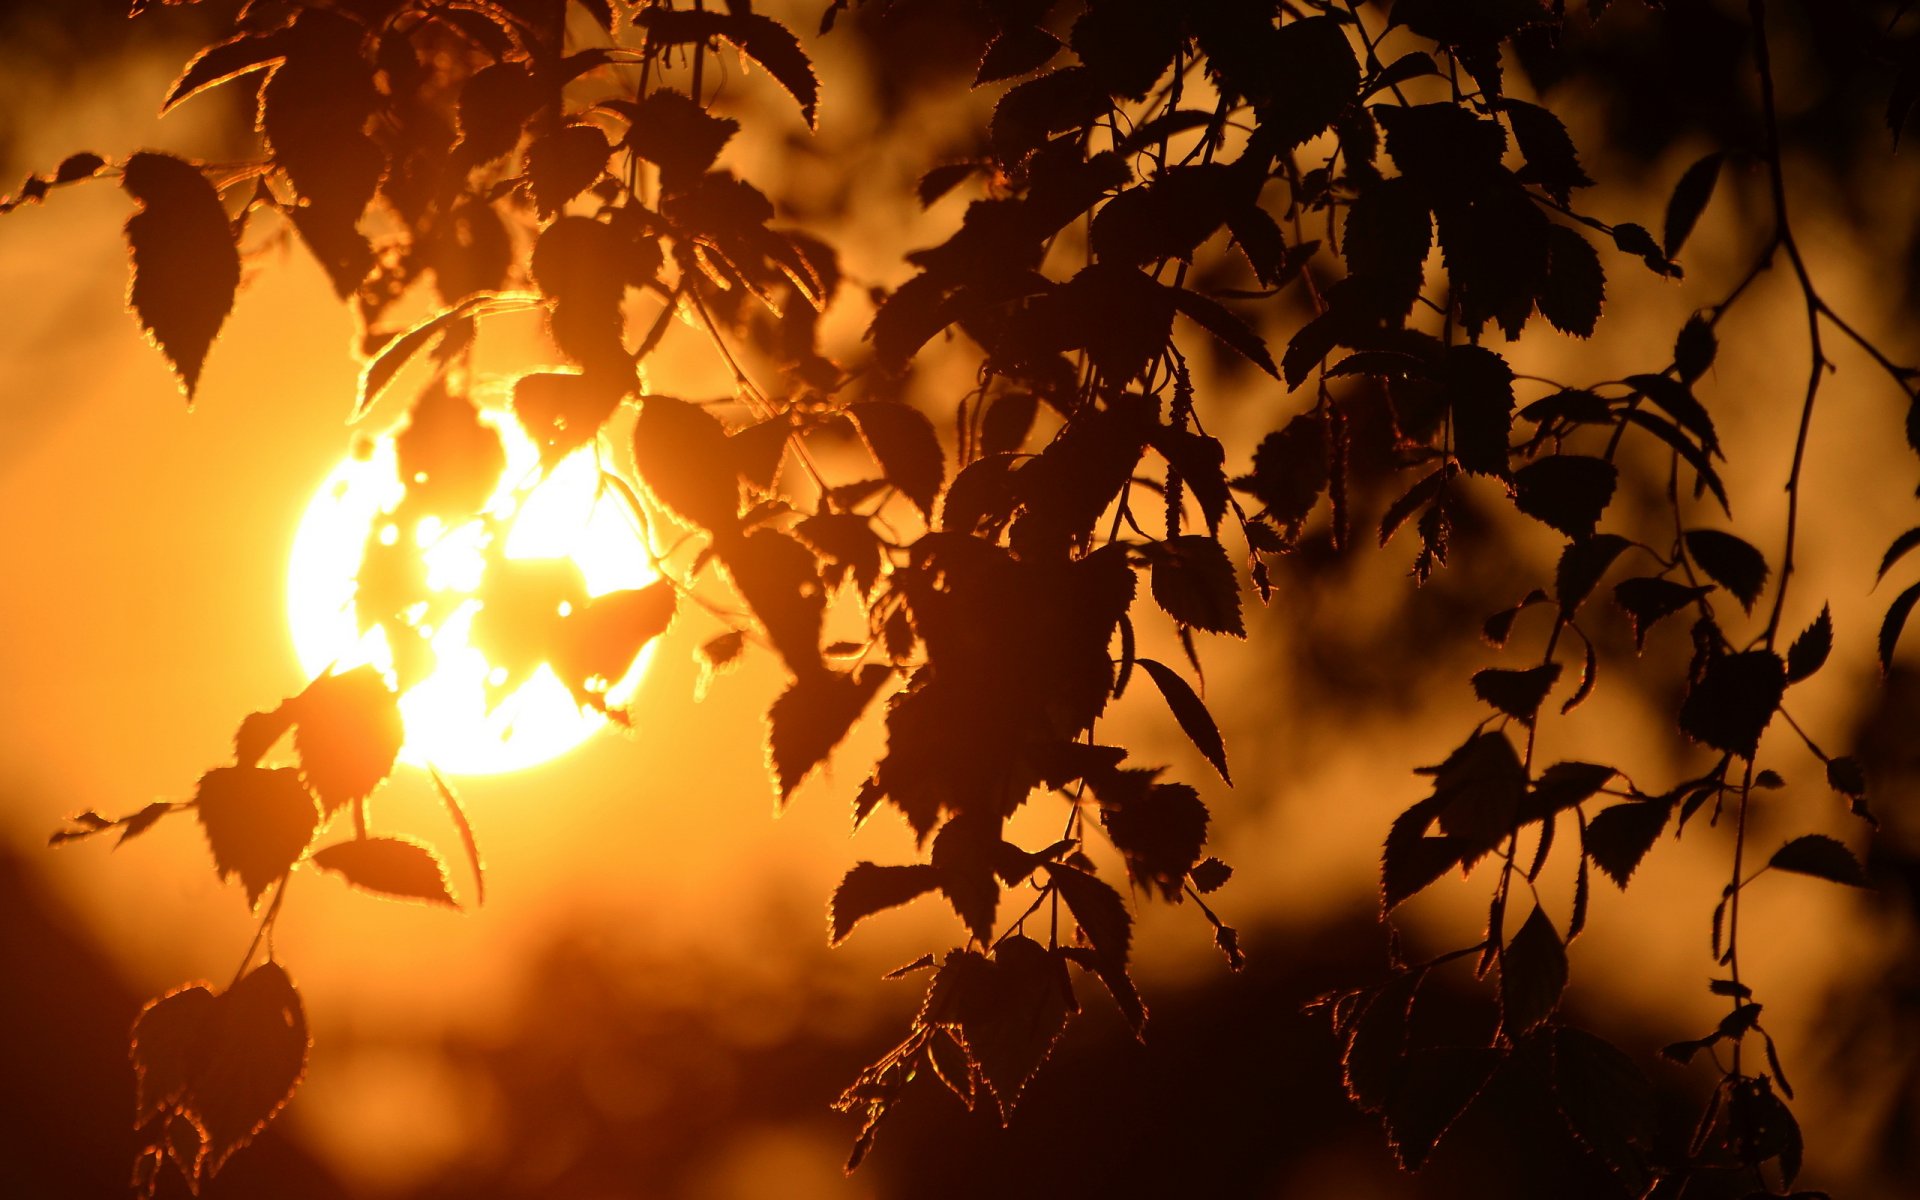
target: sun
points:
(479, 691)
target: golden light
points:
(458, 716)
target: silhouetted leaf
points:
(223, 61)
(1194, 581)
(1809, 651)
(348, 733)
(1551, 160)
(868, 889)
(1733, 699)
(1634, 239)
(1679, 402)
(1160, 833)
(1694, 348)
(1388, 233)
(1648, 599)
(1191, 712)
(1565, 784)
(1730, 562)
(601, 640)
(1581, 565)
(1210, 875)
(1895, 621)
(775, 574)
(1308, 75)
(1012, 1010)
(259, 731)
(763, 39)
(382, 367)
(1821, 857)
(1575, 286)
(940, 180)
(1291, 469)
(169, 1039)
(391, 866)
(668, 129)
(1689, 199)
(564, 163)
(906, 447)
(561, 411)
(1478, 387)
(257, 823)
(1567, 491)
(449, 459)
(1605, 1100)
(1621, 836)
(186, 268)
(1516, 693)
(1436, 1086)
(1101, 913)
(1417, 495)
(1016, 50)
(1375, 1039)
(494, 102)
(682, 455)
(812, 717)
(1698, 458)
(1533, 973)
(1230, 329)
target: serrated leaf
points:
(348, 732)
(905, 445)
(1730, 562)
(1574, 287)
(1099, 910)
(1694, 348)
(813, 716)
(1733, 700)
(1679, 402)
(1822, 857)
(1436, 1086)
(1533, 973)
(1809, 651)
(1605, 1100)
(257, 823)
(1478, 388)
(391, 866)
(868, 888)
(1210, 875)
(763, 39)
(223, 61)
(1617, 838)
(682, 455)
(1191, 712)
(186, 268)
(1567, 491)
(1894, 623)
(1235, 333)
(1517, 693)
(1650, 599)
(564, 163)
(1194, 582)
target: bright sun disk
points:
(452, 721)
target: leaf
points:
(1101, 913)
(391, 866)
(1896, 620)
(382, 367)
(1438, 1084)
(168, 1042)
(1605, 1101)
(1551, 160)
(1822, 857)
(1209, 876)
(1008, 423)
(257, 823)
(1194, 582)
(223, 61)
(564, 163)
(1680, 403)
(1565, 784)
(1809, 651)
(682, 455)
(84, 165)
(868, 889)
(1649, 599)
(1574, 286)
(1291, 469)
(1730, 562)
(1191, 712)
(348, 733)
(600, 640)
(763, 39)
(1733, 699)
(812, 717)
(1689, 200)
(1235, 333)
(1694, 348)
(905, 445)
(186, 268)
(1478, 388)
(940, 180)
(1898, 550)
(1517, 693)
(1533, 973)
(1696, 457)
(670, 130)
(1307, 75)
(1016, 50)
(253, 1058)
(1567, 491)
(1011, 1014)
(1160, 832)
(1581, 565)
(1617, 838)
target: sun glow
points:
(459, 715)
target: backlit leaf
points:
(1730, 562)
(1516, 693)
(1822, 857)
(812, 717)
(257, 823)
(391, 866)
(1617, 838)
(1733, 700)
(1194, 581)
(186, 268)
(906, 447)
(1190, 712)
(348, 733)
(1533, 973)
(762, 39)
(1689, 200)
(869, 888)
(1567, 491)
(1809, 651)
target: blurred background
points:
(646, 1005)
